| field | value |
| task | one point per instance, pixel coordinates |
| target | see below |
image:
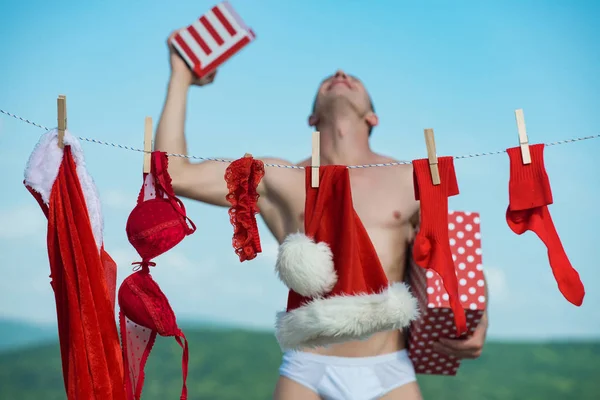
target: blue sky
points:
(459, 67)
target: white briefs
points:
(348, 378)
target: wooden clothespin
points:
(432, 156)
(247, 155)
(316, 158)
(523, 141)
(147, 144)
(61, 103)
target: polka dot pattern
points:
(138, 339)
(437, 319)
(465, 244)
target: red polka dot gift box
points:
(437, 318)
(212, 39)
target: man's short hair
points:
(370, 103)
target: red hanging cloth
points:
(83, 275)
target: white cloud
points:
(173, 268)
(496, 281)
(269, 251)
(22, 221)
(117, 199)
(123, 256)
(175, 260)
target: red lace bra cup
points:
(145, 312)
(154, 227)
(142, 301)
(159, 221)
(243, 176)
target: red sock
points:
(431, 248)
(529, 195)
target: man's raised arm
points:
(199, 181)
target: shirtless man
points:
(383, 198)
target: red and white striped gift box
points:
(437, 318)
(212, 39)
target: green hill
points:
(242, 365)
(17, 334)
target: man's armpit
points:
(275, 177)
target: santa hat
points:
(338, 288)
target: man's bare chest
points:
(382, 206)
(379, 205)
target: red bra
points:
(156, 224)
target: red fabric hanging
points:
(89, 342)
(530, 195)
(431, 249)
(242, 177)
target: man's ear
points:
(313, 120)
(372, 119)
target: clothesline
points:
(120, 146)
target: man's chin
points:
(337, 102)
(339, 87)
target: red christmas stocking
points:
(529, 196)
(431, 248)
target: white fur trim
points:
(338, 319)
(42, 170)
(304, 266)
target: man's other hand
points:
(465, 348)
(181, 71)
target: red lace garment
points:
(156, 224)
(242, 177)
